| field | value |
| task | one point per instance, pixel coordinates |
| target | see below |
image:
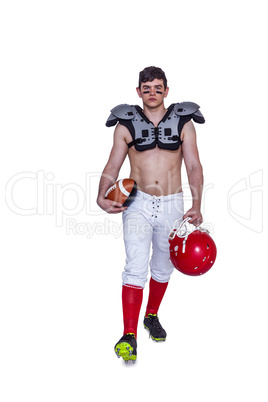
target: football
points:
(123, 191)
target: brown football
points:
(123, 191)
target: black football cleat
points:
(157, 332)
(126, 348)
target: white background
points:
(64, 65)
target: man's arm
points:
(194, 172)
(111, 171)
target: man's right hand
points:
(109, 206)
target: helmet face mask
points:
(192, 252)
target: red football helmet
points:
(192, 252)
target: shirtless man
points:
(156, 141)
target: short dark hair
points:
(152, 73)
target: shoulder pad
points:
(125, 112)
(120, 112)
(189, 109)
(186, 108)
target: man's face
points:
(152, 93)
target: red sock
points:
(156, 293)
(131, 299)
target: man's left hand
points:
(195, 215)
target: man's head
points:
(151, 73)
(152, 87)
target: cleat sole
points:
(125, 350)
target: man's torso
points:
(156, 156)
(156, 171)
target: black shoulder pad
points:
(120, 112)
(189, 108)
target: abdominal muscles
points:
(156, 171)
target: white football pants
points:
(148, 221)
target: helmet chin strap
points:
(184, 232)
